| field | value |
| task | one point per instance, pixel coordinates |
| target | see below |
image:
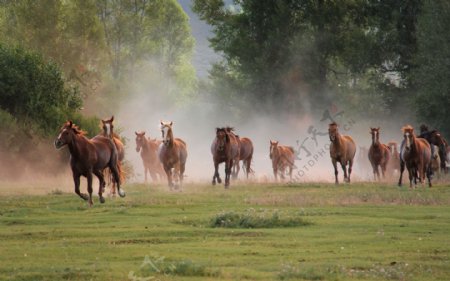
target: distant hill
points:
(204, 56)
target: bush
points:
(257, 219)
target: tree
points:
(431, 76)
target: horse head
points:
(107, 125)
(140, 140)
(222, 138)
(66, 134)
(408, 135)
(166, 131)
(273, 148)
(375, 132)
(333, 131)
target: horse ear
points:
(161, 122)
(171, 123)
(378, 128)
(112, 118)
(70, 123)
(136, 133)
(143, 133)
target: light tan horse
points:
(342, 150)
(394, 159)
(108, 131)
(379, 154)
(282, 157)
(416, 156)
(172, 154)
(436, 161)
(148, 149)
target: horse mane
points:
(333, 124)
(75, 128)
(407, 128)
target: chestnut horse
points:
(394, 159)
(172, 154)
(224, 148)
(87, 157)
(245, 155)
(149, 155)
(342, 150)
(415, 154)
(108, 131)
(282, 157)
(379, 154)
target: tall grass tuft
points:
(252, 218)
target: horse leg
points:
(89, 186)
(101, 179)
(275, 172)
(402, 168)
(116, 177)
(146, 169)
(335, 171)
(344, 168)
(247, 166)
(428, 171)
(237, 169)
(228, 167)
(216, 173)
(76, 179)
(168, 171)
(181, 175)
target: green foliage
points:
(33, 90)
(257, 219)
(431, 75)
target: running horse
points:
(394, 159)
(173, 155)
(342, 150)
(379, 154)
(224, 148)
(440, 142)
(415, 154)
(108, 131)
(245, 155)
(282, 157)
(87, 157)
(148, 149)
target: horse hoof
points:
(84, 196)
(213, 182)
(219, 180)
(102, 200)
(121, 193)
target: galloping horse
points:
(245, 155)
(282, 157)
(224, 148)
(440, 142)
(172, 154)
(379, 154)
(87, 157)
(108, 131)
(436, 161)
(342, 150)
(149, 155)
(416, 155)
(394, 159)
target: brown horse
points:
(394, 159)
(149, 154)
(282, 157)
(245, 155)
(87, 157)
(440, 142)
(224, 148)
(379, 154)
(415, 154)
(108, 131)
(172, 154)
(436, 161)
(342, 150)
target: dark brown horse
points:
(173, 155)
(440, 142)
(89, 157)
(415, 154)
(224, 148)
(108, 131)
(282, 157)
(379, 154)
(394, 159)
(342, 150)
(149, 154)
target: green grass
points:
(312, 231)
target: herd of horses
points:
(165, 159)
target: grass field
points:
(361, 231)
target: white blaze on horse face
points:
(165, 132)
(408, 144)
(108, 129)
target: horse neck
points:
(170, 135)
(74, 145)
(339, 141)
